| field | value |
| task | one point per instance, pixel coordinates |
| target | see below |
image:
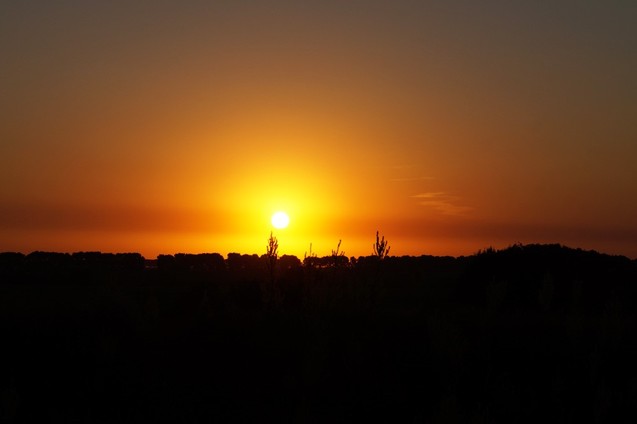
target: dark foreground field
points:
(528, 334)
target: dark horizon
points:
(259, 254)
(512, 335)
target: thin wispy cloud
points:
(442, 202)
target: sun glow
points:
(280, 220)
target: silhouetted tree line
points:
(513, 335)
(65, 268)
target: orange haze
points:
(164, 128)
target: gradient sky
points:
(450, 126)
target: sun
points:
(280, 220)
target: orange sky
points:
(165, 127)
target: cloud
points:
(442, 202)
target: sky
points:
(449, 126)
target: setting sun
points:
(171, 128)
(280, 220)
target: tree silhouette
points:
(271, 254)
(381, 247)
(270, 293)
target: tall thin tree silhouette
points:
(381, 247)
